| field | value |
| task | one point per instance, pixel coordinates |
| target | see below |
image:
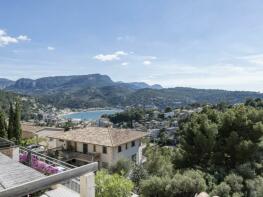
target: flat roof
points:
(101, 136)
(13, 173)
(61, 191)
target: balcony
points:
(69, 155)
(40, 173)
(88, 157)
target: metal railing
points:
(5, 143)
(73, 184)
(47, 182)
(49, 160)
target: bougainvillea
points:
(38, 165)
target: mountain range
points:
(96, 90)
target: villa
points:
(97, 144)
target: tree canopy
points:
(220, 151)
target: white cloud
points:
(124, 63)
(23, 38)
(51, 48)
(5, 39)
(110, 57)
(147, 62)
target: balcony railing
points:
(88, 157)
(66, 155)
(5, 143)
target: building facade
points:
(104, 145)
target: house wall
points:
(127, 154)
(112, 155)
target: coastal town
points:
(131, 98)
(62, 141)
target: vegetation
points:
(122, 167)
(220, 151)
(12, 130)
(99, 91)
(128, 117)
(112, 185)
(3, 126)
(29, 105)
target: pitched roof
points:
(30, 127)
(38, 130)
(101, 136)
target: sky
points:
(191, 43)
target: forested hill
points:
(97, 90)
(29, 105)
(183, 96)
(5, 83)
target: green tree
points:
(155, 187)
(163, 137)
(3, 126)
(159, 162)
(112, 185)
(17, 124)
(198, 139)
(185, 184)
(10, 131)
(222, 190)
(235, 182)
(254, 187)
(168, 109)
(122, 167)
(138, 174)
(227, 145)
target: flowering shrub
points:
(38, 165)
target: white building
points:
(169, 114)
(105, 145)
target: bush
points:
(122, 167)
(138, 174)
(222, 190)
(155, 187)
(235, 182)
(185, 184)
(112, 185)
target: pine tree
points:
(17, 125)
(10, 131)
(3, 131)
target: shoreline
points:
(62, 115)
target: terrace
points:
(71, 155)
(27, 172)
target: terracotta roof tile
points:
(101, 136)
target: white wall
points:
(112, 155)
(127, 154)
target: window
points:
(104, 150)
(94, 148)
(133, 157)
(133, 143)
(85, 148)
(126, 146)
(119, 148)
(61, 140)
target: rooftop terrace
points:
(13, 173)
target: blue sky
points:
(193, 43)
